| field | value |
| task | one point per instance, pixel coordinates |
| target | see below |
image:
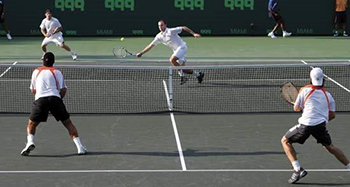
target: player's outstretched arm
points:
(196, 35)
(145, 50)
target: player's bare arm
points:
(63, 92)
(145, 50)
(59, 29)
(196, 35)
(44, 32)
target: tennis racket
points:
(121, 52)
(289, 92)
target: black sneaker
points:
(296, 176)
(200, 77)
(183, 80)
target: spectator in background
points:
(2, 19)
(340, 16)
(276, 16)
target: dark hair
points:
(49, 59)
(162, 21)
(48, 11)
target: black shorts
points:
(42, 106)
(300, 133)
(340, 17)
(275, 18)
(2, 20)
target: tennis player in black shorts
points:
(318, 108)
(48, 86)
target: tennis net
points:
(122, 90)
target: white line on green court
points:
(329, 78)
(2, 74)
(167, 171)
(176, 133)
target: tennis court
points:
(160, 148)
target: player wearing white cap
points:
(318, 107)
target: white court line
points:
(2, 74)
(168, 171)
(179, 147)
(335, 82)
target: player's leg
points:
(323, 137)
(284, 31)
(45, 43)
(4, 25)
(337, 20)
(344, 24)
(58, 39)
(296, 134)
(338, 154)
(174, 61)
(59, 111)
(39, 114)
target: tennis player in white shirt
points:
(51, 28)
(170, 37)
(318, 108)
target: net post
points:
(170, 89)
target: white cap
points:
(316, 76)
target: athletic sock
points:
(30, 138)
(296, 165)
(181, 73)
(77, 142)
(195, 73)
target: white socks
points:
(30, 138)
(296, 166)
(77, 142)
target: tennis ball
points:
(122, 39)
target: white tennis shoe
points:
(271, 35)
(286, 34)
(29, 147)
(82, 150)
(74, 56)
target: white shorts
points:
(56, 38)
(180, 53)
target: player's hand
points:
(196, 35)
(139, 55)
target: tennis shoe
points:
(296, 176)
(200, 77)
(74, 56)
(183, 80)
(345, 34)
(82, 150)
(272, 35)
(336, 34)
(9, 36)
(286, 34)
(29, 147)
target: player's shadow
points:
(187, 152)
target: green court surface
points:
(213, 50)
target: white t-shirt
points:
(46, 84)
(50, 25)
(316, 108)
(170, 37)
